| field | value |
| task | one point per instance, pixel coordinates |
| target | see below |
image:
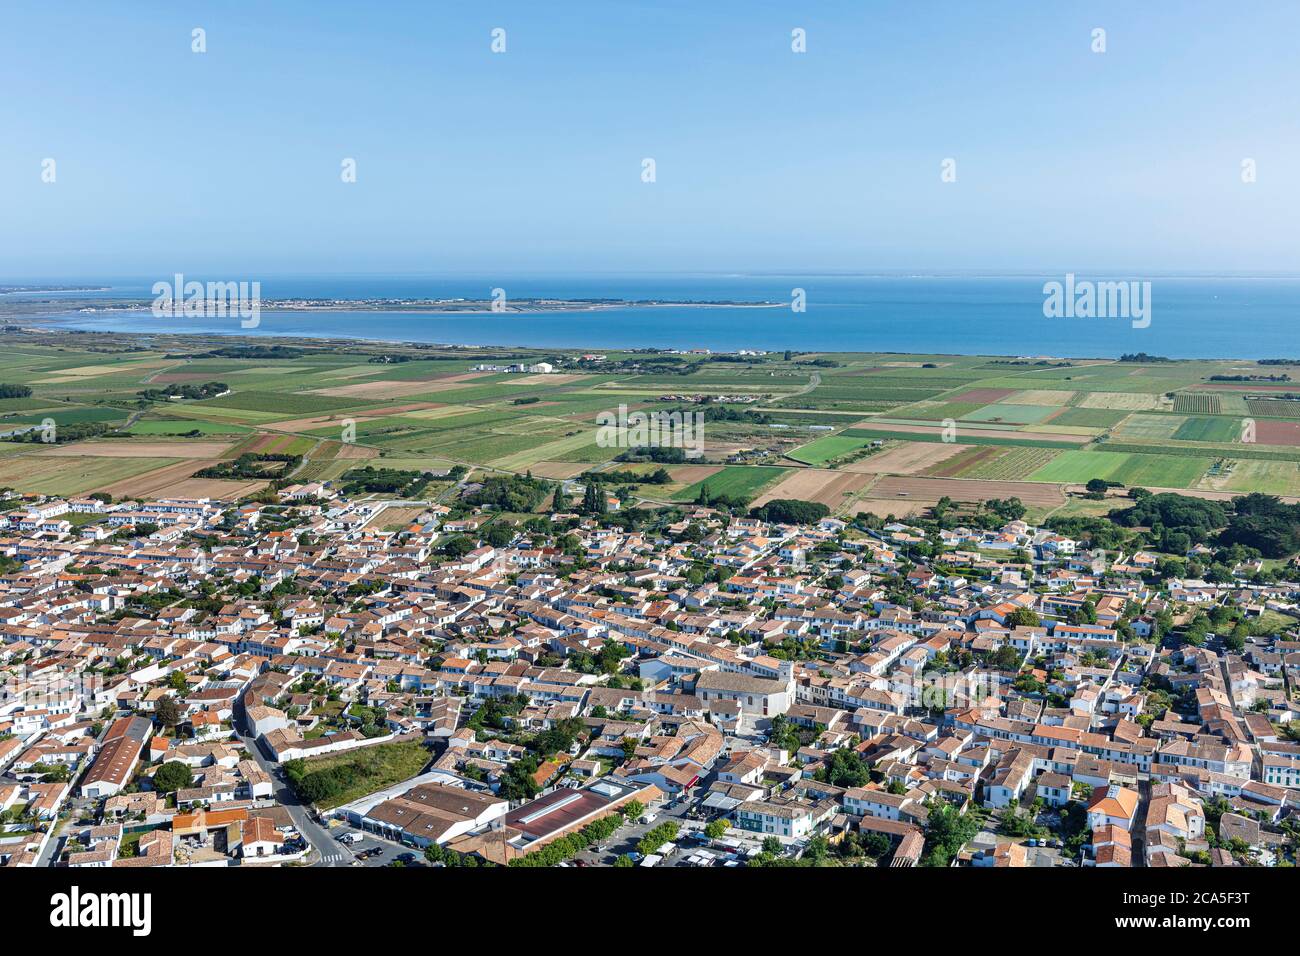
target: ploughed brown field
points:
(932, 489)
(815, 484)
(905, 459)
(392, 389)
(334, 418)
(151, 482)
(956, 464)
(208, 488)
(884, 507)
(1277, 433)
(135, 449)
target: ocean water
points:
(1190, 317)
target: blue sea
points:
(1191, 317)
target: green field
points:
(1208, 429)
(825, 449)
(184, 426)
(734, 482)
(1089, 417)
(1128, 469)
(1160, 424)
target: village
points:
(192, 682)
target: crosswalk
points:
(332, 858)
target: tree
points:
(947, 830)
(168, 712)
(593, 500)
(1022, 617)
(845, 768)
(790, 511)
(716, 828)
(1096, 485)
(172, 776)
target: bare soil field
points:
(395, 519)
(826, 487)
(209, 488)
(351, 452)
(884, 507)
(135, 449)
(932, 489)
(561, 378)
(1269, 432)
(149, 484)
(395, 389)
(957, 464)
(319, 421)
(906, 459)
(689, 474)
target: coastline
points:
(241, 338)
(1192, 319)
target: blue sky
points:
(530, 160)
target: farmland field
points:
(824, 449)
(1128, 469)
(1031, 423)
(734, 482)
(1197, 403)
(1208, 429)
(1010, 464)
(1273, 408)
(830, 488)
(58, 475)
(1016, 414)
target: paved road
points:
(329, 852)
